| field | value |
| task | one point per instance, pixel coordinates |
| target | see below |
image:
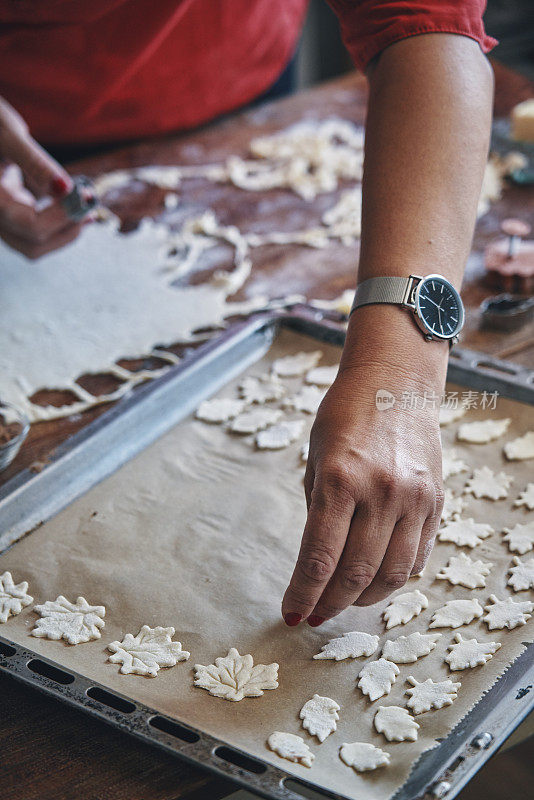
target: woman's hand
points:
(32, 184)
(373, 482)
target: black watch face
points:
(439, 306)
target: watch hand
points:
(433, 303)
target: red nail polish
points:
(60, 187)
(292, 619)
(314, 621)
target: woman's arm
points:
(373, 480)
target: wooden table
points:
(49, 752)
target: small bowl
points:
(9, 415)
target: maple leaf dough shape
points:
(255, 420)
(482, 431)
(13, 596)
(465, 532)
(292, 748)
(407, 649)
(488, 484)
(462, 570)
(396, 723)
(262, 389)
(377, 678)
(353, 644)
(522, 575)
(362, 756)
(455, 613)
(453, 505)
(520, 538)
(319, 716)
(295, 365)
(322, 376)
(75, 622)
(507, 613)
(308, 399)
(469, 653)
(451, 464)
(425, 695)
(147, 652)
(448, 414)
(235, 677)
(281, 435)
(526, 498)
(219, 409)
(521, 448)
(405, 607)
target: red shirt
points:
(90, 71)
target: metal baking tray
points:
(102, 447)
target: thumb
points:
(42, 172)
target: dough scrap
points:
(522, 575)
(507, 613)
(456, 613)
(486, 483)
(520, 538)
(451, 413)
(469, 653)
(307, 399)
(295, 365)
(405, 607)
(462, 570)
(396, 723)
(407, 649)
(425, 695)
(526, 498)
(235, 677)
(147, 652)
(13, 596)
(291, 747)
(362, 756)
(521, 448)
(451, 464)
(280, 435)
(219, 409)
(261, 389)
(465, 532)
(75, 622)
(304, 452)
(319, 716)
(352, 644)
(453, 505)
(322, 376)
(377, 678)
(482, 431)
(254, 420)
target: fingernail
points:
(59, 187)
(314, 621)
(292, 619)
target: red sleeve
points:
(369, 26)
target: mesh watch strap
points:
(385, 289)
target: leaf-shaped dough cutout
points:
(469, 653)
(507, 613)
(353, 644)
(322, 376)
(456, 613)
(453, 505)
(291, 747)
(219, 409)
(396, 723)
(451, 413)
(147, 652)
(522, 575)
(425, 695)
(376, 679)
(526, 498)
(75, 622)
(451, 464)
(13, 596)
(404, 607)
(362, 756)
(280, 435)
(407, 649)
(254, 420)
(463, 571)
(235, 677)
(295, 365)
(261, 389)
(482, 431)
(319, 716)
(486, 483)
(307, 399)
(520, 538)
(465, 532)
(521, 448)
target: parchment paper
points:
(201, 532)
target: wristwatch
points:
(436, 305)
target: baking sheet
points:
(200, 532)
